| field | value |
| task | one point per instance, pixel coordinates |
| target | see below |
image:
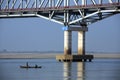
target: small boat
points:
(30, 66)
(27, 66)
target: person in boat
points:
(36, 66)
(27, 64)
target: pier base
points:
(74, 58)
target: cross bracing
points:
(67, 12)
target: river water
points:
(98, 69)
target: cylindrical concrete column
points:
(67, 42)
(81, 42)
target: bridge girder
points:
(67, 12)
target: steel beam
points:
(67, 12)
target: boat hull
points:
(30, 67)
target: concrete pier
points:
(81, 56)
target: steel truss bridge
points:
(67, 12)
(75, 15)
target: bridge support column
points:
(81, 56)
(67, 42)
(81, 42)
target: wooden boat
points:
(27, 66)
(30, 66)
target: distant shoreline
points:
(51, 56)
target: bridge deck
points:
(93, 13)
(95, 7)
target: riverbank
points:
(26, 56)
(51, 55)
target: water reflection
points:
(67, 70)
(80, 70)
(68, 74)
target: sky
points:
(37, 34)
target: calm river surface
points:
(98, 69)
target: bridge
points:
(75, 15)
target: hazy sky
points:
(36, 34)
